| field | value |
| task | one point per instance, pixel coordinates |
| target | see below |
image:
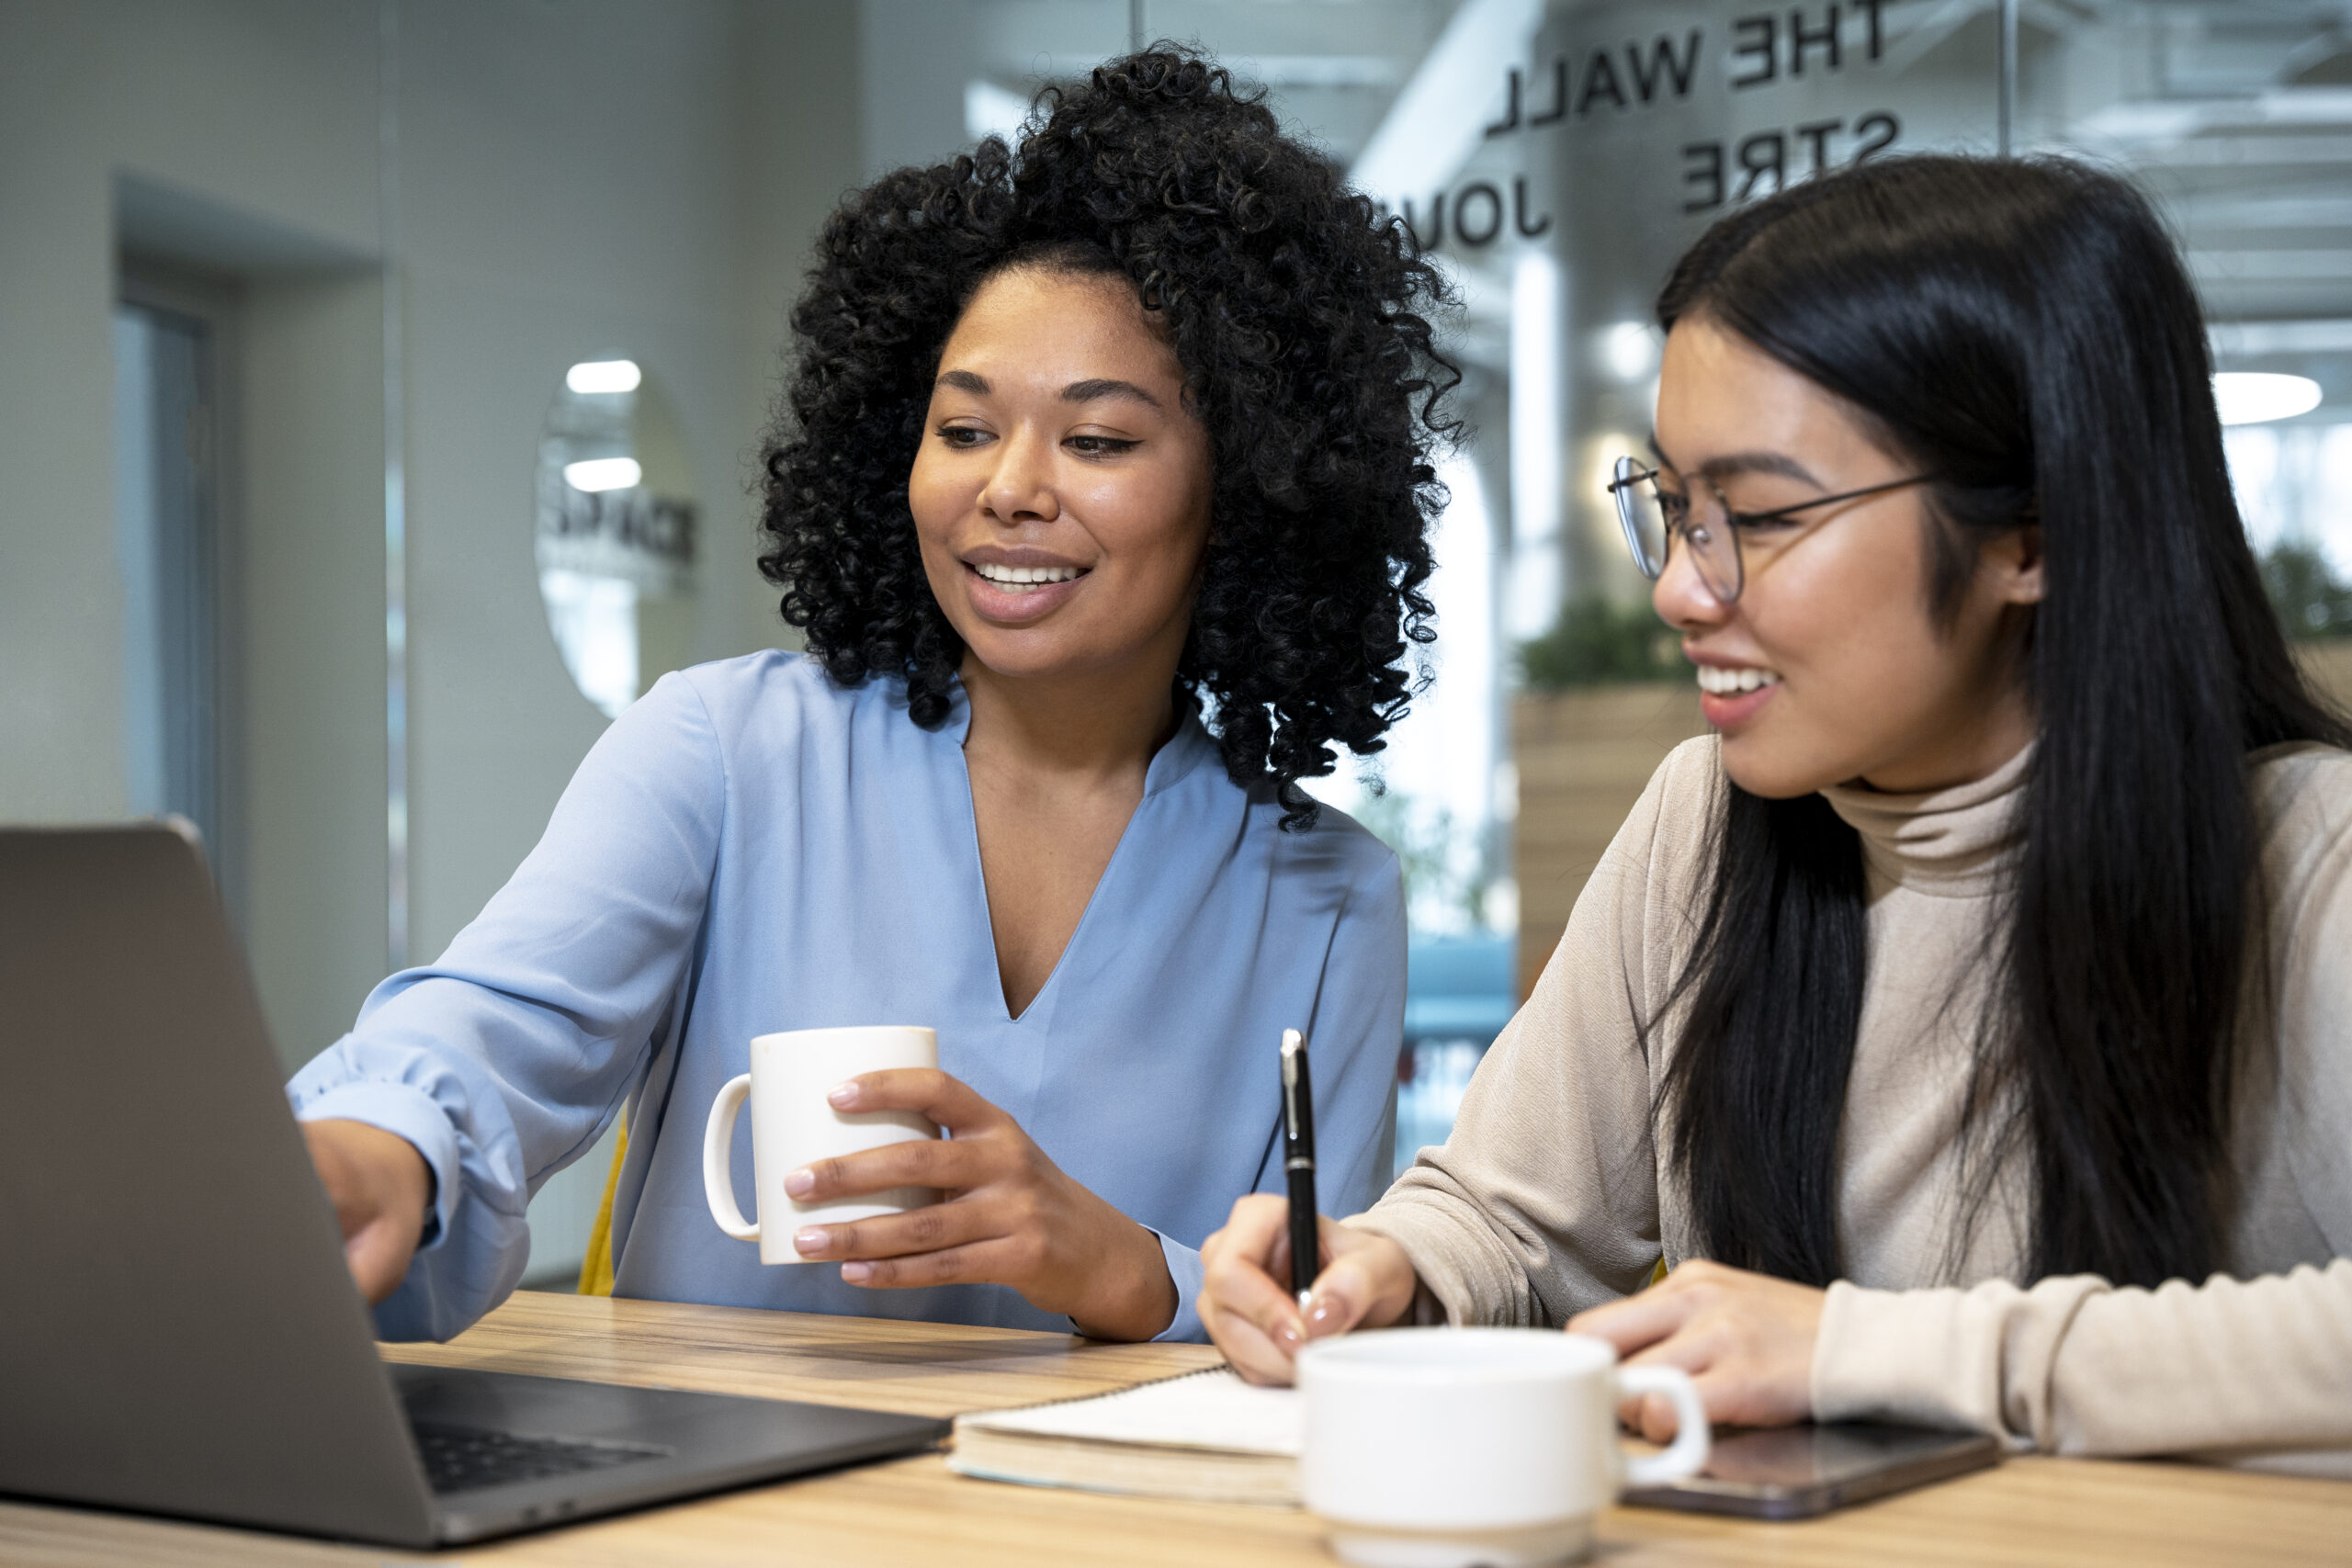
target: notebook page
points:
(1213, 1410)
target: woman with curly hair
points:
(1102, 498)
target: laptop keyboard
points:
(466, 1458)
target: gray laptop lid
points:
(164, 1344)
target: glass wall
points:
(2237, 114)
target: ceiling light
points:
(1630, 350)
(2250, 397)
(603, 473)
(603, 376)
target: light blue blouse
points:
(750, 848)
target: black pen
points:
(1298, 1163)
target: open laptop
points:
(179, 1334)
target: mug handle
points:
(1692, 1438)
(718, 1161)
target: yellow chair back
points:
(596, 1268)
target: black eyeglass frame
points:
(1629, 472)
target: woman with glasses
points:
(1966, 1026)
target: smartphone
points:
(1796, 1472)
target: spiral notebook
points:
(1202, 1436)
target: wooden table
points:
(913, 1512)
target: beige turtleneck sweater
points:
(1551, 1196)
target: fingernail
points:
(1322, 1316)
(810, 1241)
(800, 1183)
(840, 1097)
(857, 1273)
(1288, 1336)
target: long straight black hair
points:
(2024, 329)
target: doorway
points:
(171, 343)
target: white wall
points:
(312, 665)
(916, 56)
(566, 195)
(604, 176)
(85, 88)
(601, 179)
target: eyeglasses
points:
(1652, 516)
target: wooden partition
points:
(1584, 756)
(1583, 759)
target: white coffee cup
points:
(793, 1125)
(1441, 1448)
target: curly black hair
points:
(1296, 309)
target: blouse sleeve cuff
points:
(408, 1112)
(1184, 1272)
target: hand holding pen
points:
(1298, 1166)
(1255, 1320)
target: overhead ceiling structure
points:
(1395, 91)
(1332, 67)
(2238, 115)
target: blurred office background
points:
(379, 381)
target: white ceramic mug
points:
(1441, 1448)
(793, 1125)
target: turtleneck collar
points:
(1951, 842)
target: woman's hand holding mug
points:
(1366, 1281)
(849, 1170)
(1010, 1217)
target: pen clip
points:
(1294, 1043)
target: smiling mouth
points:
(1724, 680)
(1024, 579)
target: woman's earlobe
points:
(2017, 556)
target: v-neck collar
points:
(1185, 750)
(1177, 760)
